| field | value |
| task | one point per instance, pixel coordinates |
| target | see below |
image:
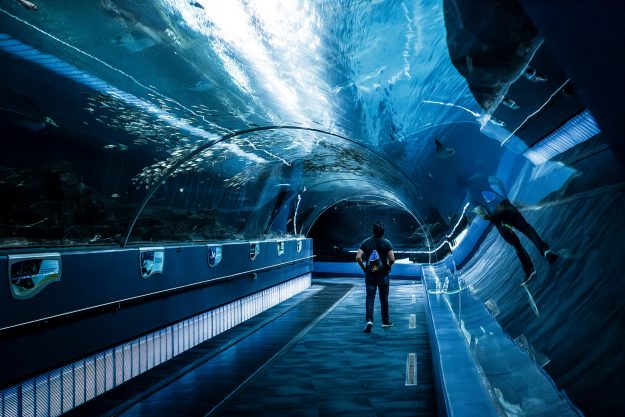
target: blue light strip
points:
(577, 130)
(64, 69)
(64, 389)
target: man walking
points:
(379, 256)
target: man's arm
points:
(359, 259)
(390, 256)
(479, 210)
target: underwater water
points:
(131, 121)
(144, 83)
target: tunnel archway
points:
(271, 189)
(342, 226)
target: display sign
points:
(29, 274)
(151, 261)
(214, 255)
(254, 250)
(280, 247)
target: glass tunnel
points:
(185, 186)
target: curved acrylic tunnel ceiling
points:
(168, 77)
(268, 181)
(144, 84)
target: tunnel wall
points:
(570, 318)
(102, 299)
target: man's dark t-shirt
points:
(383, 246)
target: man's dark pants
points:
(507, 216)
(373, 283)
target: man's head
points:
(378, 229)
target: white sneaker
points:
(368, 327)
(550, 256)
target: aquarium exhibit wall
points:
(143, 133)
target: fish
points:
(48, 120)
(534, 76)
(136, 40)
(200, 85)
(29, 5)
(30, 121)
(442, 151)
(508, 102)
(119, 146)
(34, 124)
(497, 122)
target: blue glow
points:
(577, 130)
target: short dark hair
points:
(378, 229)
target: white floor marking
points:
(411, 369)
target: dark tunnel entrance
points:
(339, 230)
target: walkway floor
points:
(309, 357)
